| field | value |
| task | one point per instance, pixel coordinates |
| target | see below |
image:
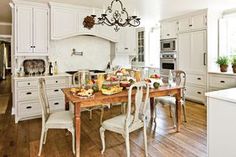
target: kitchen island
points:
(221, 128)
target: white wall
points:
(96, 53)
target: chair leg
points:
(145, 138)
(102, 113)
(90, 114)
(184, 112)
(73, 139)
(41, 142)
(174, 116)
(45, 136)
(102, 136)
(170, 111)
(127, 144)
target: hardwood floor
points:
(22, 139)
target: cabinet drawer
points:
(30, 94)
(55, 92)
(196, 79)
(29, 109)
(57, 82)
(196, 93)
(29, 83)
(222, 82)
(57, 104)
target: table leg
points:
(152, 105)
(178, 109)
(67, 106)
(77, 129)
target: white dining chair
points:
(55, 120)
(132, 120)
(180, 79)
(76, 83)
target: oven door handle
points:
(168, 60)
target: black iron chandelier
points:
(116, 18)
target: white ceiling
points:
(150, 10)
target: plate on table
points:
(112, 90)
(82, 93)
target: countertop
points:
(222, 73)
(226, 95)
(41, 76)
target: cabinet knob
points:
(198, 78)
(56, 90)
(199, 93)
(28, 107)
(190, 25)
(28, 93)
(222, 81)
(28, 83)
(56, 103)
(126, 48)
(168, 34)
(56, 81)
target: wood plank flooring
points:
(22, 139)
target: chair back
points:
(140, 103)
(43, 99)
(180, 79)
(80, 78)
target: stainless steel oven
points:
(168, 45)
(168, 62)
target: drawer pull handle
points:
(126, 48)
(199, 93)
(199, 78)
(28, 83)
(56, 103)
(222, 81)
(168, 34)
(28, 93)
(28, 107)
(56, 81)
(190, 25)
(56, 90)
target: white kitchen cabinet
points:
(26, 95)
(127, 41)
(31, 30)
(192, 51)
(196, 21)
(64, 22)
(169, 29)
(220, 81)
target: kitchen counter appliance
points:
(168, 45)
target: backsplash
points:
(96, 53)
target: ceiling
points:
(148, 10)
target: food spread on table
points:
(109, 90)
(81, 92)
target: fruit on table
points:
(131, 81)
(95, 88)
(147, 80)
(155, 76)
(156, 85)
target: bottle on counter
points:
(170, 79)
(50, 68)
(55, 68)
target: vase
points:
(223, 68)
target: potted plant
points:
(233, 62)
(223, 61)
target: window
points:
(227, 38)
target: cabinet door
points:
(64, 22)
(198, 21)
(198, 52)
(169, 29)
(40, 30)
(24, 29)
(184, 24)
(184, 51)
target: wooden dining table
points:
(121, 97)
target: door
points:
(184, 24)
(198, 52)
(198, 21)
(40, 30)
(24, 29)
(184, 51)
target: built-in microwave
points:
(168, 45)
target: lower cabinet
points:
(26, 96)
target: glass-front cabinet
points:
(140, 41)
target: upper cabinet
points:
(127, 41)
(31, 35)
(192, 22)
(64, 22)
(67, 21)
(169, 29)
